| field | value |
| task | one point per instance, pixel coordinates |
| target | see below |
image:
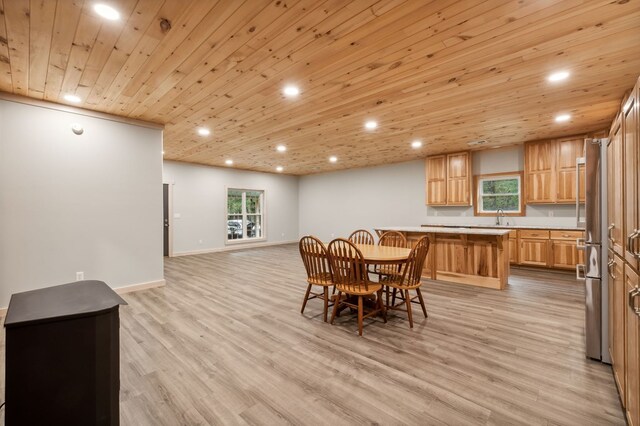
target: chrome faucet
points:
(499, 214)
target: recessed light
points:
(162, 152)
(371, 124)
(72, 98)
(228, 162)
(558, 76)
(562, 118)
(107, 12)
(291, 91)
(416, 144)
(279, 168)
(203, 131)
(281, 148)
(333, 159)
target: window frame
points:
(477, 179)
(262, 214)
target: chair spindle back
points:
(315, 257)
(361, 236)
(392, 239)
(415, 262)
(349, 269)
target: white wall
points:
(68, 203)
(199, 199)
(334, 204)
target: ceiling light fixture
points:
(281, 148)
(371, 124)
(333, 159)
(107, 12)
(72, 98)
(162, 152)
(416, 144)
(228, 162)
(279, 168)
(291, 91)
(562, 118)
(558, 76)
(203, 131)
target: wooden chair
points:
(408, 279)
(316, 262)
(361, 236)
(351, 278)
(390, 239)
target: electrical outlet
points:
(333, 235)
(79, 276)
(199, 241)
(282, 235)
(550, 213)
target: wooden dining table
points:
(383, 255)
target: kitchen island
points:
(472, 256)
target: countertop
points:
(550, 227)
(445, 230)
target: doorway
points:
(166, 220)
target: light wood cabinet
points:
(550, 170)
(538, 171)
(513, 247)
(448, 179)
(623, 209)
(631, 151)
(567, 151)
(436, 170)
(614, 188)
(534, 251)
(617, 327)
(632, 345)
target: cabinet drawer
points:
(566, 235)
(534, 234)
(513, 235)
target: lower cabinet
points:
(534, 252)
(617, 322)
(632, 332)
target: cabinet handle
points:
(610, 269)
(633, 293)
(609, 229)
(631, 246)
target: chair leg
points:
(424, 309)
(381, 306)
(407, 300)
(386, 292)
(393, 297)
(336, 304)
(326, 303)
(306, 297)
(360, 315)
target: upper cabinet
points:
(448, 179)
(550, 170)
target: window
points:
(245, 215)
(499, 191)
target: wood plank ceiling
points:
(444, 71)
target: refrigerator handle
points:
(580, 244)
(580, 269)
(580, 161)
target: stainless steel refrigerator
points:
(589, 215)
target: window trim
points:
(227, 241)
(476, 189)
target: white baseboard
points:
(233, 247)
(141, 286)
(120, 290)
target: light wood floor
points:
(224, 343)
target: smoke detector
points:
(476, 143)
